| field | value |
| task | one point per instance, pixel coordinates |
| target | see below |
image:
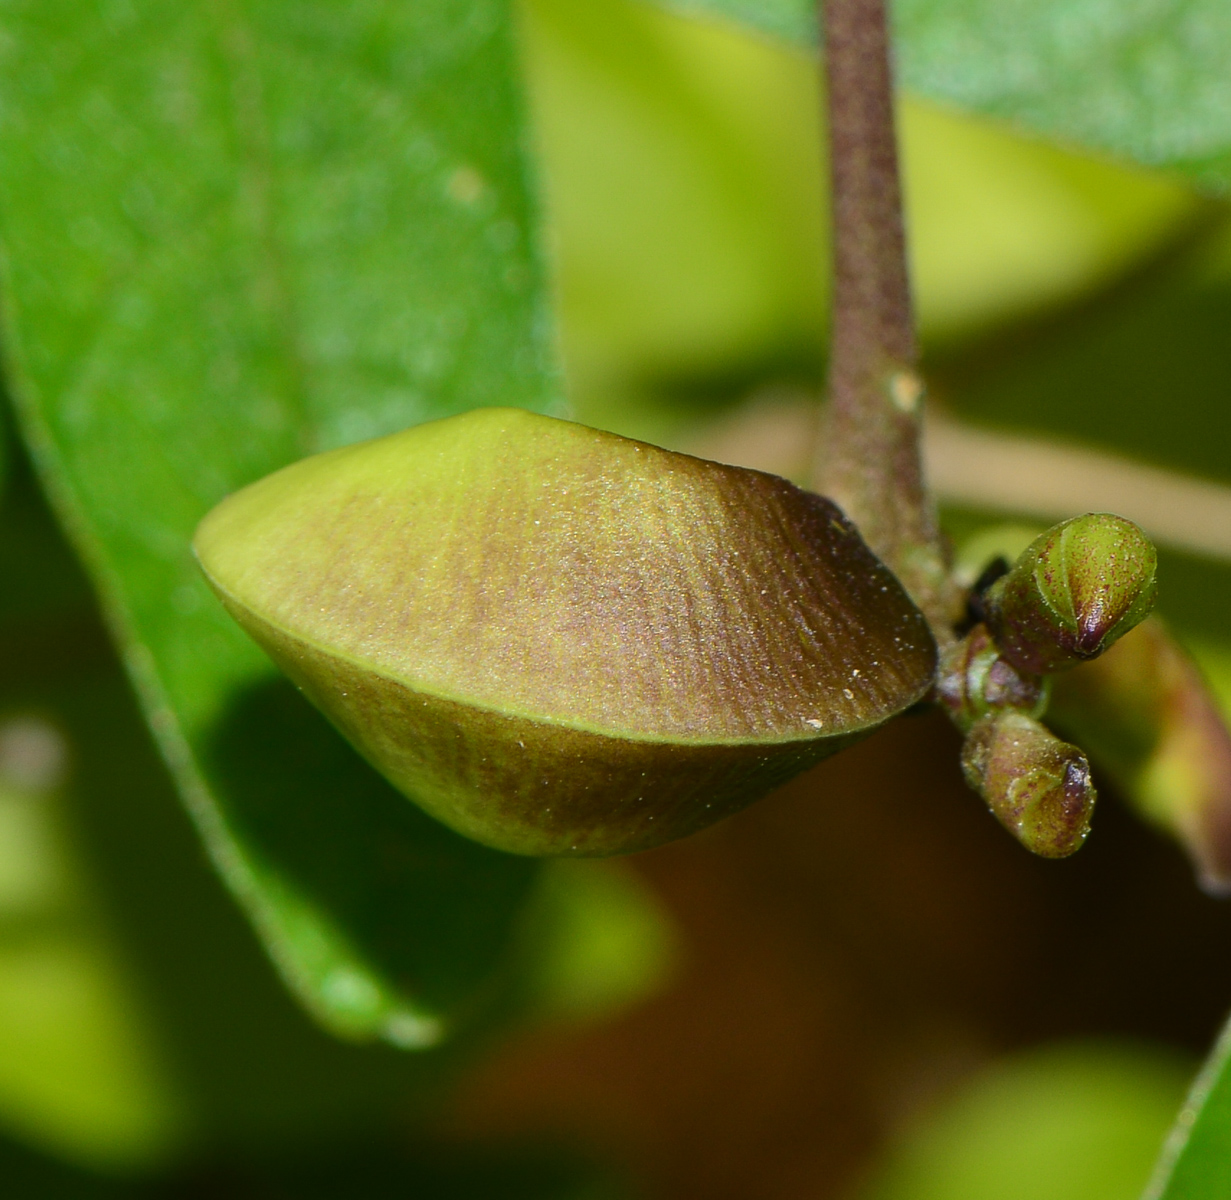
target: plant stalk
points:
(868, 458)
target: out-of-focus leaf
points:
(606, 941)
(1194, 1163)
(683, 175)
(1214, 658)
(1070, 1122)
(236, 233)
(683, 166)
(1143, 370)
(794, 20)
(1003, 226)
(1142, 81)
(78, 1074)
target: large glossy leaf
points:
(1142, 79)
(236, 233)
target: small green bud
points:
(1037, 786)
(560, 641)
(1077, 588)
(974, 679)
(1152, 723)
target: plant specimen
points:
(239, 237)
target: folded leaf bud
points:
(1076, 589)
(560, 641)
(1150, 721)
(974, 679)
(1037, 786)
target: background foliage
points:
(236, 233)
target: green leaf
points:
(1101, 374)
(607, 942)
(794, 20)
(1147, 82)
(78, 1073)
(236, 233)
(1143, 81)
(1068, 1121)
(1194, 1161)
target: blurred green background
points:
(147, 1047)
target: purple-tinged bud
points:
(1077, 589)
(1037, 786)
(974, 679)
(1151, 722)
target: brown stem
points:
(868, 458)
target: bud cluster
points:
(1069, 596)
(975, 680)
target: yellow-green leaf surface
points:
(76, 1070)
(684, 170)
(234, 234)
(1142, 81)
(1068, 1121)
